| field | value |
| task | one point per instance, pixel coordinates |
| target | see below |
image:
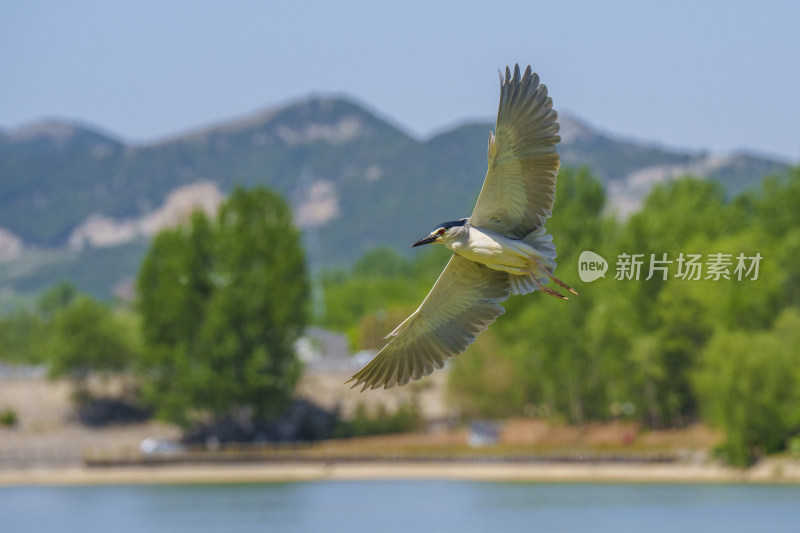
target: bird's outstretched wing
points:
(520, 187)
(462, 303)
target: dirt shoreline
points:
(768, 471)
(48, 446)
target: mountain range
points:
(79, 204)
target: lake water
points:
(402, 506)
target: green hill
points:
(356, 181)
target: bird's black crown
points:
(453, 223)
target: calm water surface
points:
(402, 506)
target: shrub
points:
(8, 417)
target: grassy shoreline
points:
(767, 471)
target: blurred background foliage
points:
(221, 301)
(673, 351)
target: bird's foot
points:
(570, 289)
(544, 289)
(557, 294)
(550, 275)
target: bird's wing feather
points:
(520, 186)
(462, 303)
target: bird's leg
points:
(544, 289)
(551, 276)
(570, 289)
(521, 271)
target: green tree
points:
(24, 332)
(56, 298)
(222, 303)
(776, 206)
(21, 338)
(749, 383)
(86, 337)
(675, 318)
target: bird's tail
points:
(543, 243)
(541, 268)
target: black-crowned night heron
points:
(501, 249)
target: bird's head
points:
(444, 232)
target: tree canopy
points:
(222, 302)
(87, 337)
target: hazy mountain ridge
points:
(62, 183)
(355, 180)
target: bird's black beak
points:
(427, 240)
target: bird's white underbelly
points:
(494, 250)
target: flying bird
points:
(501, 249)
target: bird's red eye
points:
(441, 231)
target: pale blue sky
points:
(720, 76)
